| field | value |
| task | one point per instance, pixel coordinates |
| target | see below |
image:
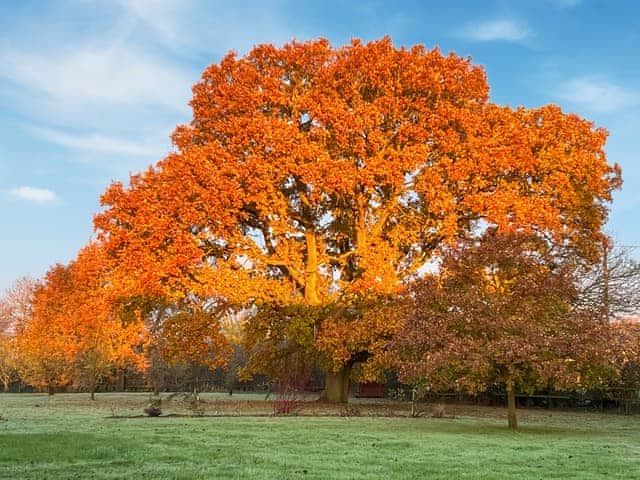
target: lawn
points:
(68, 436)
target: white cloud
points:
(597, 95)
(92, 76)
(161, 16)
(498, 29)
(95, 142)
(34, 194)
(234, 26)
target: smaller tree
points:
(500, 312)
(76, 334)
(189, 333)
(16, 309)
(16, 306)
(626, 339)
(43, 341)
(9, 361)
(100, 340)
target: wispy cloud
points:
(509, 30)
(162, 17)
(596, 95)
(171, 23)
(95, 142)
(118, 75)
(34, 194)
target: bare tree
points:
(16, 308)
(612, 285)
(16, 305)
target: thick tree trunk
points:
(50, 390)
(5, 384)
(336, 388)
(336, 383)
(511, 405)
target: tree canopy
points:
(311, 174)
(75, 333)
(501, 311)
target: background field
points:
(68, 436)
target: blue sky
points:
(91, 90)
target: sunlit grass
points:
(68, 436)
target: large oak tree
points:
(310, 174)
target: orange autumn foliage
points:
(102, 340)
(195, 337)
(43, 340)
(311, 174)
(74, 333)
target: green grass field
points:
(68, 436)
